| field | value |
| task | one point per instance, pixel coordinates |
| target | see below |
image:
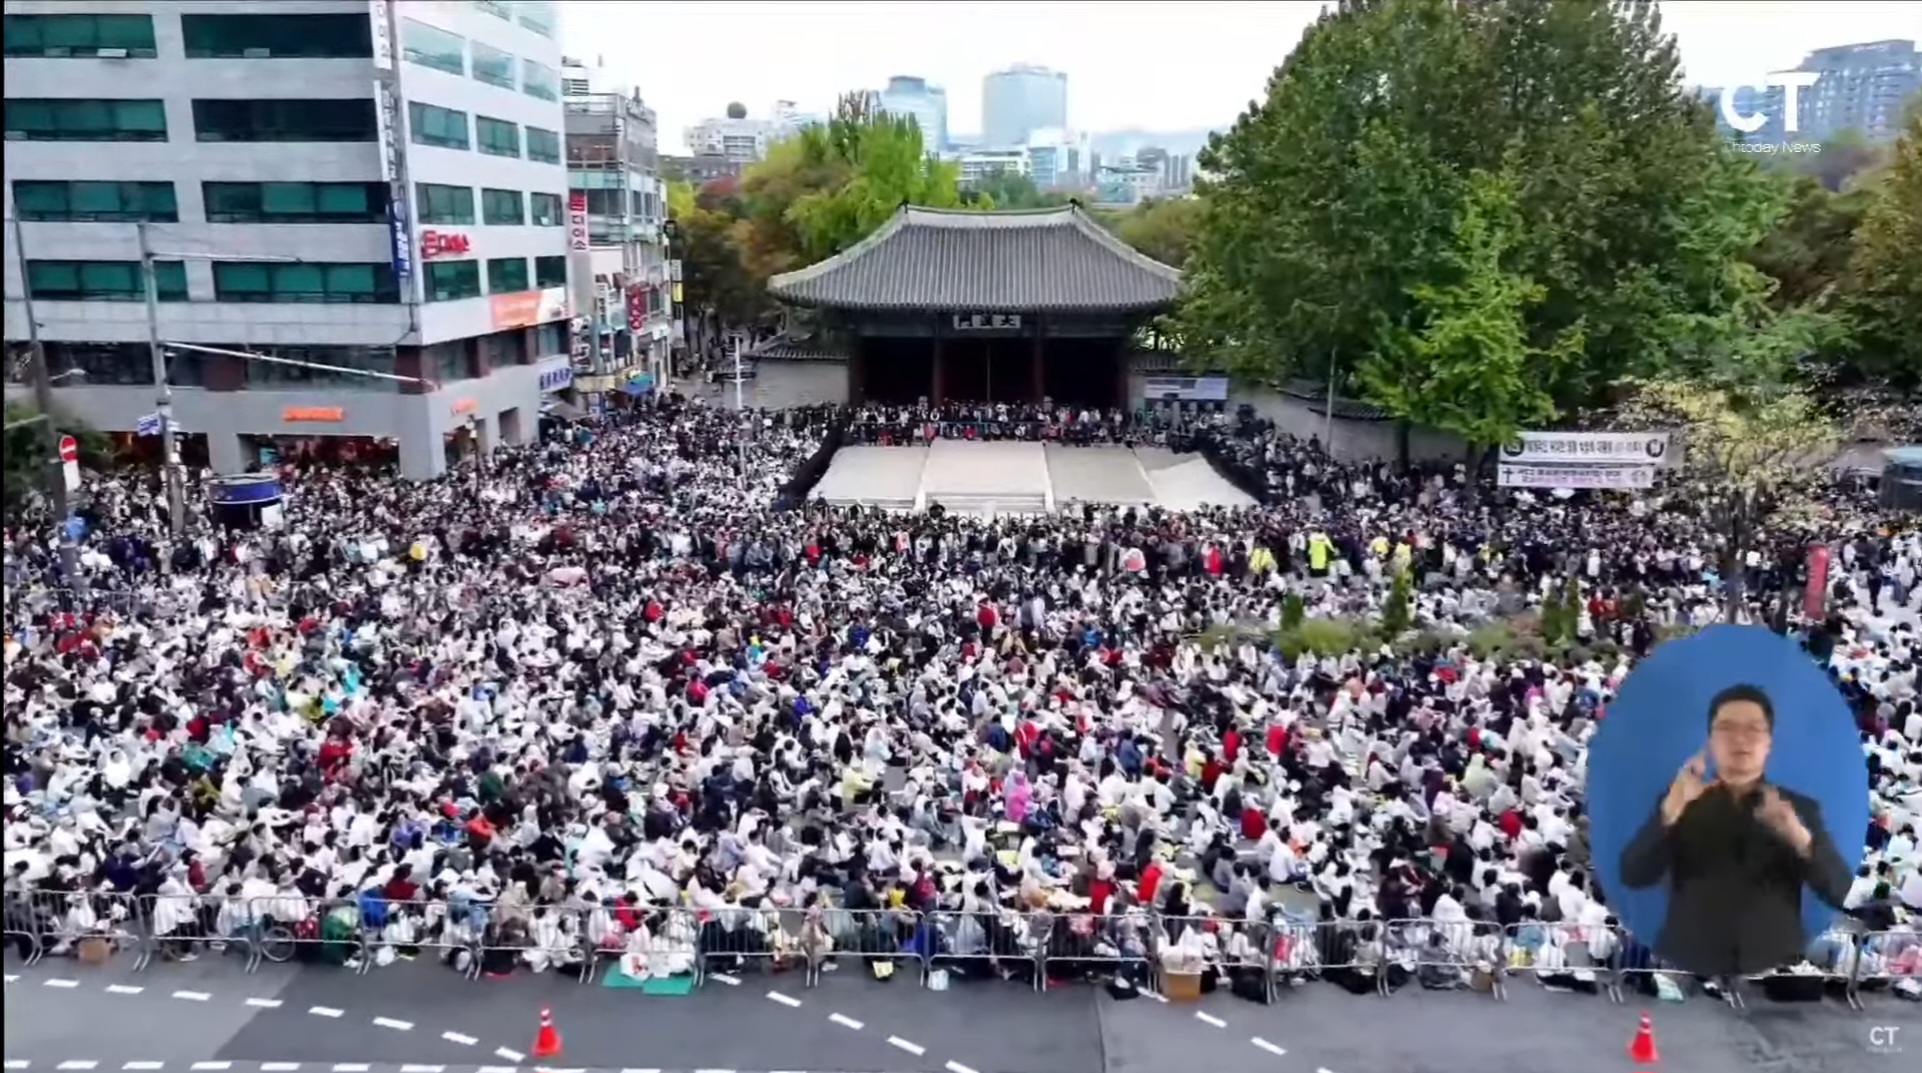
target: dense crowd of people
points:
(603, 698)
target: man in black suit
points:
(1736, 851)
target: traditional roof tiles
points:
(946, 260)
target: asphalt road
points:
(419, 1018)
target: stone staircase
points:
(996, 503)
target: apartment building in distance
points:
(375, 187)
(614, 167)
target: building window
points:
(344, 119)
(540, 80)
(546, 209)
(59, 36)
(492, 66)
(95, 202)
(78, 119)
(538, 16)
(438, 204)
(233, 37)
(550, 271)
(503, 207)
(273, 374)
(295, 203)
(104, 281)
(242, 281)
(496, 8)
(431, 46)
(497, 137)
(506, 275)
(433, 125)
(543, 146)
(451, 281)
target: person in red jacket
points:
(1149, 883)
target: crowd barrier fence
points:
(1040, 949)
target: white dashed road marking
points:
(909, 1046)
(785, 1000)
(1210, 1019)
(956, 1067)
(265, 1003)
(398, 1026)
(731, 981)
(422, 1069)
(213, 1065)
(149, 1065)
(279, 1067)
(192, 996)
(351, 1067)
(323, 1011)
(58, 982)
(510, 1055)
(495, 1069)
(16, 1063)
(456, 1037)
(1267, 1046)
(845, 1021)
(124, 989)
(78, 1064)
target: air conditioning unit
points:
(256, 53)
(111, 53)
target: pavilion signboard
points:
(987, 322)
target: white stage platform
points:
(1021, 478)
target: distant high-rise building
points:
(917, 99)
(733, 137)
(1862, 87)
(1021, 100)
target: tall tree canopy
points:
(1164, 228)
(1553, 133)
(1886, 267)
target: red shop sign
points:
(443, 244)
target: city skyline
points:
(1219, 54)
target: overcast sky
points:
(1167, 66)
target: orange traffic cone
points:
(547, 1042)
(1641, 1049)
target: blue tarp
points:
(640, 385)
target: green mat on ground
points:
(612, 976)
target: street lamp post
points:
(157, 354)
(51, 468)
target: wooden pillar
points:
(857, 371)
(938, 391)
(1039, 382)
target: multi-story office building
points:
(1019, 101)
(732, 137)
(1863, 88)
(1053, 159)
(614, 167)
(372, 192)
(926, 104)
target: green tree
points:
(1886, 268)
(1460, 358)
(714, 276)
(1333, 195)
(1293, 611)
(885, 164)
(1164, 228)
(1554, 617)
(1753, 444)
(1397, 613)
(1010, 189)
(26, 451)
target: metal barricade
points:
(94, 926)
(996, 941)
(1573, 957)
(819, 938)
(289, 926)
(642, 941)
(1184, 946)
(1884, 959)
(1085, 946)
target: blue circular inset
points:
(1660, 718)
